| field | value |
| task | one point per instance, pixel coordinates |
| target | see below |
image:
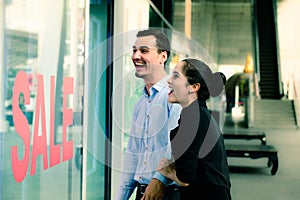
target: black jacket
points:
(198, 149)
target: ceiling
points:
(233, 31)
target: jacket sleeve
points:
(190, 136)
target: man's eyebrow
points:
(141, 47)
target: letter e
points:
(67, 119)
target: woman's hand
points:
(167, 168)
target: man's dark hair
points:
(162, 41)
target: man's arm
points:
(126, 188)
(154, 191)
(127, 182)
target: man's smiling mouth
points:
(139, 64)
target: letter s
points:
(20, 166)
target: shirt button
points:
(145, 163)
(140, 177)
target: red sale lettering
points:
(54, 149)
(39, 145)
(39, 142)
(67, 119)
(20, 166)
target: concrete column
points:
(188, 19)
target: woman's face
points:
(179, 87)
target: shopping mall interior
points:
(71, 59)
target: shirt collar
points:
(157, 86)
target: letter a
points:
(39, 142)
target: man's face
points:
(145, 57)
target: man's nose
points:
(136, 54)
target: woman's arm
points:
(167, 168)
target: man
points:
(153, 118)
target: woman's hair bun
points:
(217, 84)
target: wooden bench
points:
(245, 134)
(254, 152)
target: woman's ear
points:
(196, 87)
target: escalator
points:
(267, 58)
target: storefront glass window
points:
(43, 70)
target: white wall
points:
(289, 45)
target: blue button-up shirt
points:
(153, 118)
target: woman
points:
(200, 162)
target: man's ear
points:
(164, 56)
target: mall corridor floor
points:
(251, 178)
